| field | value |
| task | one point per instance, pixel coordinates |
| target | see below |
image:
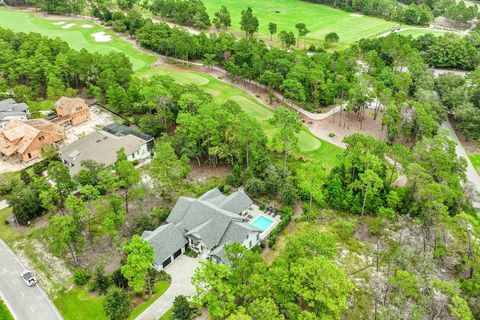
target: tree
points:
(166, 168)
(248, 23)
(264, 309)
(288, 126)
(117, 304)
(332, 37)
(62, 181)
(272, 80)
(302, 31)
(140, 259)
(222, 19)
(287, 39)
(65, 232)
(311, 175)
(272, 28)
(181, 308)
(127, 175)
(322, 286)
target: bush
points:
(80, 276)
(119, 279)
(181, 309)
(285, 218)
(190, 253)
(117, 304)
(102, 282)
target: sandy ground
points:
(59, 23)
(68, 26)
(358, 15)
(98, 119)
(12, 164)
(102, 37)
(87, 26)
(341, 126)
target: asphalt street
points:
(25, 303)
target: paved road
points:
(25, 303)
(181, 271)
(472, 174)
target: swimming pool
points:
(262, 222)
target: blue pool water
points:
(262, 223)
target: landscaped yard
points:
(475, 159)
(76, 36)
(4, 312)
(417, 32)
(161, 287)
(319, 19)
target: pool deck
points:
(254, 212)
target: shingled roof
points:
(165, 240)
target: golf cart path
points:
(471, 173)
(25, 303)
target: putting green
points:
(76, 36)
(320, 19)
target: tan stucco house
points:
(25, 139)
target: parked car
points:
(29, 278)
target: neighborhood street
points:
(25, 303)
(471, 173)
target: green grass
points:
(76, 36)
(78, 304)
(161, 287)
(168, 315)
(319, 19)
(417, 33)
(4, 312)
(475, 159)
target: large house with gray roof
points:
(10, 109)
(205, 225)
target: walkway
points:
(181, 271)
(471, 173)
(25, 303)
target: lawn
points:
(77, 36)
(78, 304)
(475, 159)
(320, 19)
(417, 32)
(4, 312)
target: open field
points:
(417, 32)
(319, 19)
(76, 36)
(4, 312)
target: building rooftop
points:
(98, 146)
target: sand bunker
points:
(59, 23)
(358, 15)
(87, 26)
(101, 37)
(68, 26)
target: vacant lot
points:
(319, 19)
(75, 33)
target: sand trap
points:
(59, 23)
(102, 37)
(87, 26)
(358, 15)
(68, 26)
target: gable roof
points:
(165, 240)
(10, 105)
(237, 202)
(69, 105)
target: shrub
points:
(117, 304)
(80, 276)
(119, 279)
(181, 308)
(102, 282)
(285, 218)
(190, 253)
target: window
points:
(41, 138)
(29, 155)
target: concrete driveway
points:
(25, 303)
(182, 271)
